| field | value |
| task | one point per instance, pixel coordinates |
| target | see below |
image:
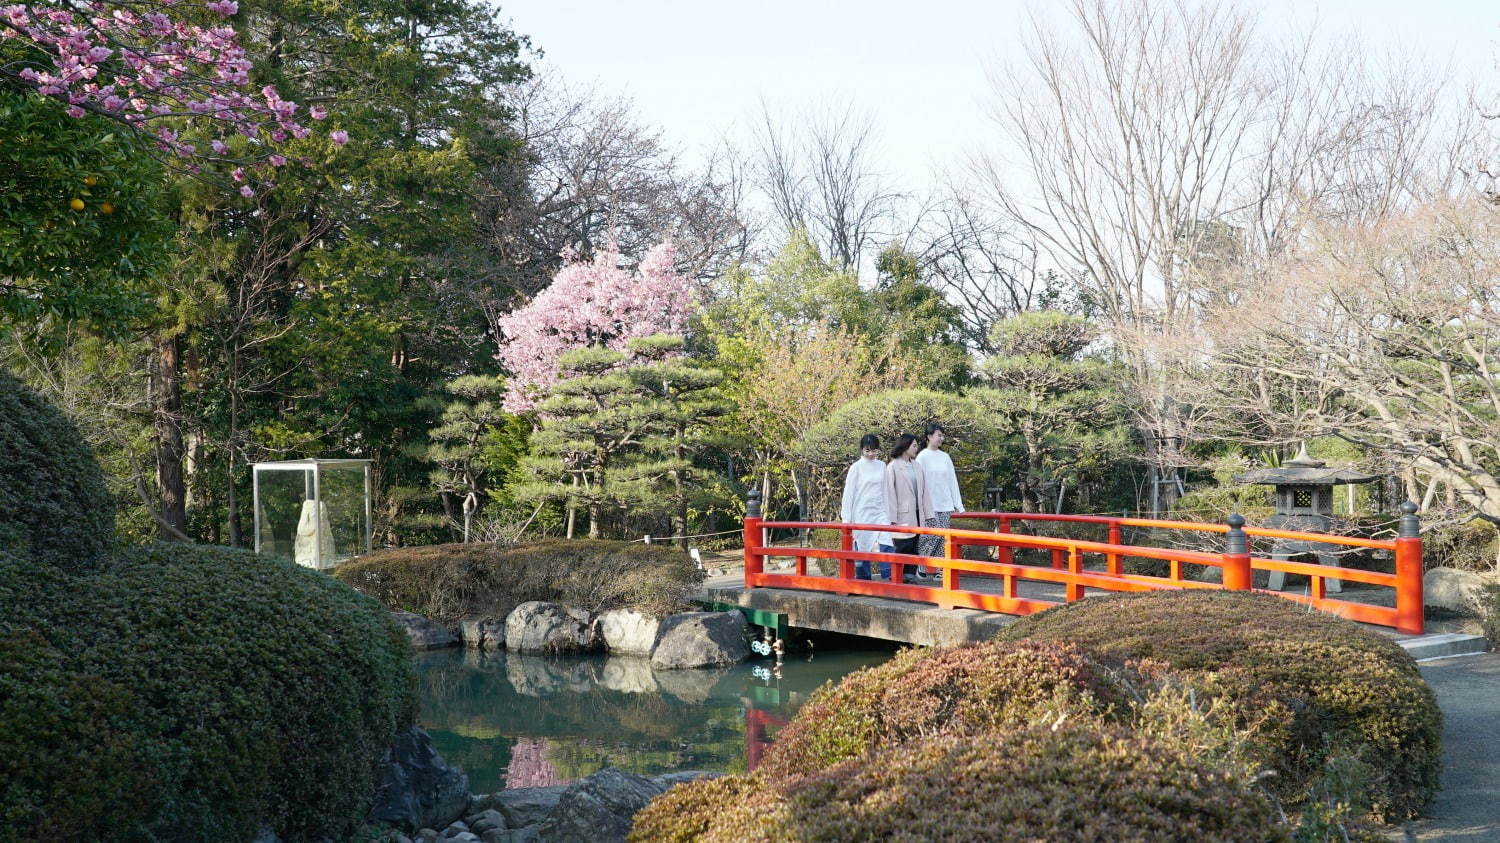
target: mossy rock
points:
(958, 690)
(54, 506)
(1340, 696)
(192, 693)
(449, 582)
(1074, 782)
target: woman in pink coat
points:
(906, 497)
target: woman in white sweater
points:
(864, 501)
(942, 487)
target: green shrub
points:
(185, 692)
(54, 506)
(448, 582)
(958, 690)
(1074, 782)
(1321, 693)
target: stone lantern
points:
(1304, 502)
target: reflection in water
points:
(525, 721)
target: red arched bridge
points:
(1072, 567)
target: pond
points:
(513, 720)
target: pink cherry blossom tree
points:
(591, 302)
(148, 64)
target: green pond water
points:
(527, 721)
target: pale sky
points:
(700, 69)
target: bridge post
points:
(1409, 613)
(1237, 573)
(754, 537)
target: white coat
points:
(864, 503)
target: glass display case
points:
(314, 512)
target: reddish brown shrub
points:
(1077, 782)
(959, 690)
(1348, 697)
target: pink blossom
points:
(591, 303)
(167, 67)
(277, 160)
(339, 137)
(238, 174)
(218, 146)
(317, 112)
(245, 191)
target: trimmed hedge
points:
(54, 505)
(186, 692)
(1325, 698)
(1076, 782)
(449, 582)
(959, 690)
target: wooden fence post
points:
(1410, 617)
(754, 537)
(1237, 573)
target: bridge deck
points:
(923, 623)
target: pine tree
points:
(1056, 399)
(472, 428)
(681, 396)
(591, 423)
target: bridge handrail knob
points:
(752, 504)
(1236, 540)
(1409, 526)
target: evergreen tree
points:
(593, 424)
(472, 446)
(1058, 401)
(682, 398)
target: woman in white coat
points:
(864, 501)
(942, 487)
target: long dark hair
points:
(902, 443)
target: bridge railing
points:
(1076, 564)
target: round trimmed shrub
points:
(957, 690)
(186, 692)
(54, 506)
(1345, 702)
(1075, 782)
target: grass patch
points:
(449, 582)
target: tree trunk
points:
(232, 498)
(1031, 493)
(681, 516)
(166, 411)
(572, 511)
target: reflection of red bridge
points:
(1079, 565)
(756, 739)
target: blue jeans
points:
(862, 567)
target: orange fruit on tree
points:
(107, 208)
(90, 181)
(76, 204)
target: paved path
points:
(1468, 806)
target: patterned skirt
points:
(929, 545)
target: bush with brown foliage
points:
(959, 690)
(1326, 698)
(1078, 781)
(449, 582)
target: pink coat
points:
(906, 498)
